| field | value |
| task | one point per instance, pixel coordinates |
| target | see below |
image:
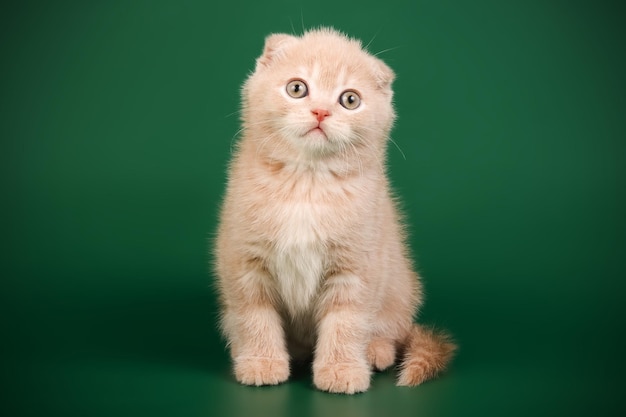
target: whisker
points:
(293, 30)
(232, 114)
(264, 142)
(358, 158)
(369, 129)
(398, 147)
(372, 40)
(243, 128)
(344, 153)
(387, 50)
(372, 149)
(232, 139)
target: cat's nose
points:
(320, 114)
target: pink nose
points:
(320, 114)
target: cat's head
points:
(318, 95)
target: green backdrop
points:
(116, 124)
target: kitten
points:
(310, 253)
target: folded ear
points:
(273, 45)
(384, 75)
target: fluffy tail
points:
(427, 352)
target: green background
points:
(116, 123)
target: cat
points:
(310, 253)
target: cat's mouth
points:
(317, 131)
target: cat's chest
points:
(298, 255)
(300, 224)
(304, 211)
(304, 221)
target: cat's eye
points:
(297, 89)
(350, 100)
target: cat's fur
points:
(310, 253)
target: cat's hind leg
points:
(381, 353)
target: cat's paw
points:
(261, 371)
(381, 353)
(342, 378)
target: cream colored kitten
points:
(311, 254)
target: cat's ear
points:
(273, 45)
(383, 74)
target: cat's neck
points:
(351, 162)
(344, 166)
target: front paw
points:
(261, 371)
(343, 378)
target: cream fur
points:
(311, 254)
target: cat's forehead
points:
(328, 67)
(324, 56)
(326, 75)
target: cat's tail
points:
(427, 352)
